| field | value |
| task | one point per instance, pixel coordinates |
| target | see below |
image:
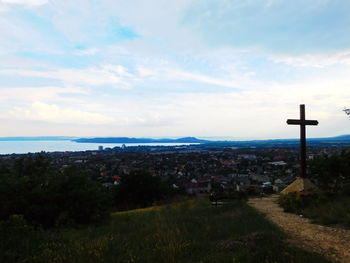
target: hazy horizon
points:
(213, 138)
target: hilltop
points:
(139, 140)
(342, 139)
(187, 231)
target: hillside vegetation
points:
(188, 231)
(331, 204)
(48, 196)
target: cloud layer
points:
(175, 68)
(51, 113)
(25, 2)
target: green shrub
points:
(53, 198)
(191, 231)
(329, 212)
(291, 202)
(332, 172)
(323, 208)
(140, 189)
(18, 240)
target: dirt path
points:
(334, 243)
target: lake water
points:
(9, 147)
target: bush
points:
(323, 208)
(190, 231)
(296, 202)
(47, 198)
(17, 239)
(140, 189)
(332, 172)
(290, 202)
(330, 212)
(79, 199)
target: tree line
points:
(47, 196)
(331, 172)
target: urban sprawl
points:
(192, 168)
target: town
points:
(191, 169)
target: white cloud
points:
(146, 72)
(25, 2)
(87, 52)
(287, 27)
(94, 76)
(181, 81)
(40, 111)
(121, 77)
(183, 75)
(3, 8)
(262, 112)
(9, 95)
(175, 74)
(154, 20)
(320, 60)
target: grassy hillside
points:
(321, 208)
(190, 231)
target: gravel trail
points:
(333, 243)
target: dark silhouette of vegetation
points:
(332, 172)
(191, 231)
(17, 239)
(46, 197)
(140, 189)
(347, 111)
(323, 208)
(331, 205)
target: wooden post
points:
(302, 122)
(302, 142)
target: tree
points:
(140, 189)
(79, 199)
(347, 111)
(46, 197)
(332, 172)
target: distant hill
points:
(260, 143)
(336, 140)
(345, 137)
(342, 140)
(139, 140)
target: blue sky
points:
(173, 68)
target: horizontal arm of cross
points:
(302, 122)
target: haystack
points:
(300, 185)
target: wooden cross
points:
(302, 122)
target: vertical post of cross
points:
(302, 123)
(302, 142)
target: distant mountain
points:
(139, 140)
(345, 137)
(336, 140)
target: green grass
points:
(331, 212)
(190, 231)
(321, 208)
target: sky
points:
(160, 68)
